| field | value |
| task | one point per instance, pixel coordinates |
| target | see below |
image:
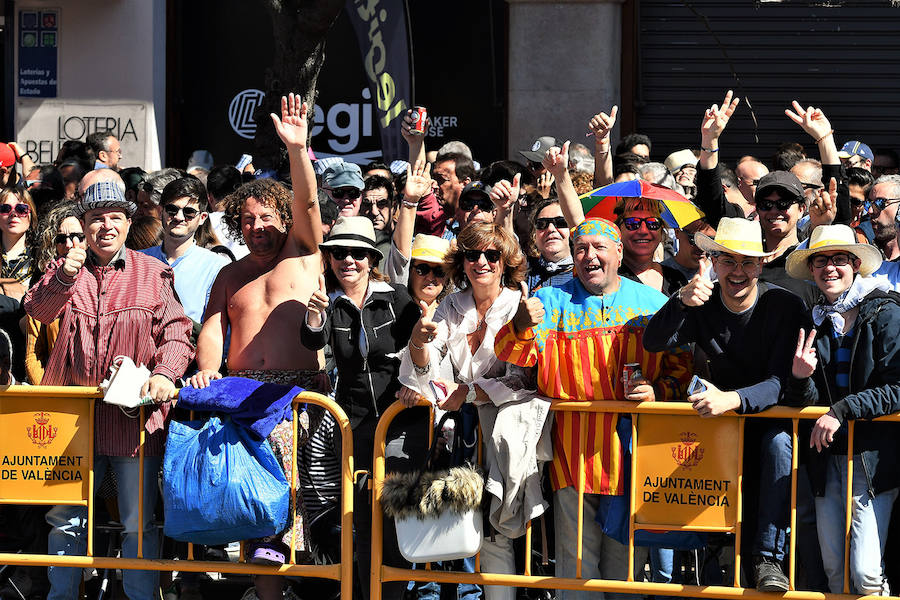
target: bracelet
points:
(818, 141)
(422, 370)
(601, 152)
(413, 344)
(407, 204)
(710, 150)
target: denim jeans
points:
(431, 590)
(68, 535)
(774, 502)
(868, 529)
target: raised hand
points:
(504, 193)
(545, 181)
(75, 258)
(823, 431)
(530, 313)
(317, 305)
(418, 181)
(805, 360)
(823, 209)
(601, 124)
(292, 127)
(812, 120)
(425, 329)
(699, 289)
(556, 160)
(716, 118)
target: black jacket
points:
(366, 344)
(874, 391)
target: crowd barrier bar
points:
(342, 571)
(382, 573)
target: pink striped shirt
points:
(126, 308)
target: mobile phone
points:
(438, 391)
(695, 386)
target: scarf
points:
(856, 293)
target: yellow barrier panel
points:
(707, 453)
(44, 424)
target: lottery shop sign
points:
(44, 449)
(686, 471)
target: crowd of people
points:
(489, 291)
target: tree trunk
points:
(299, 28)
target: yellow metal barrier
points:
(382, 573)
(59, 422)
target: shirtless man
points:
(263, 298)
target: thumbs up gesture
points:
(504, 193)
(699, 288)
(317, 305)
(74, 261)
(530, 312)
(556, 160)
(425, 330)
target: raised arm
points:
(710, 195)
(557, 162)
(416, 141)
(816, 124)
(601, 125)
(418, 185)
(292, 129)
(504, 195)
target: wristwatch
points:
(470, 395)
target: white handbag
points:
(123, 386)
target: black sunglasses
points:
(340, 253)
(62, 238)
(878, 203)
(781, 203)
(469, 203)
(543, 223)
(22, 209)
(188, 212)
(492, 256)
(423, 269)
(381, 203)
(634, 223)
(346, 193)
(812, 186)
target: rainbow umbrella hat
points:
(676, 210)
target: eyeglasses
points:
(634, 223)
(727, 263)
(753, 182)
(345, 194)
(62, 238)
(690, 238)
(22, 209)
(469, 203)
(781, 203)
(878, 204)
(820, 261)
(812, 186)
(492, 256)
(423, 269)
(340, 253)
(188, 212)
(543, 223)
(381, 203)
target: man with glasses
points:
(378, 206)
(107, 150)
(184, 203)
(475, 205)
(748, 330)
(884, 204)
(343, 182)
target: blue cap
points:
(343, 174)
(856, 148)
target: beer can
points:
(419, 117)
(630, 372)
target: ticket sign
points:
(686, 471)
(44, 449)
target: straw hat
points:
(429, 248)
(679, 159)
(734, 236)
(352, 232)
(826, 238)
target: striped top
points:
(580, 350)
(126, 308)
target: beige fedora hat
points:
(827, 238)
(352, 232)
(734, 236)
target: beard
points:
(884, 233)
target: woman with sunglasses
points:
(367, 322)
(550, 261)
(642, 231)
(61, 231)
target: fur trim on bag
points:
(458, 489)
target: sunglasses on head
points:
(188, 212)
(469, 203)
(381, 203)
(492, 256)
(340, 253)
(346, 194)
(62, 238)
(634, 223)
(543, 223)
(423, 269)
(781, 203)
(22, 209)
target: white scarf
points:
(856, 293)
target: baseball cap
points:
(856, 148)
(783, 181)
(476, 188)
(200, 159)
(7, 156)
(539, 148)
(343, 174)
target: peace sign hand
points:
(805, 360)
(812, 120)
(292, 127)
(716, 118)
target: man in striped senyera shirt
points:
(112, 302)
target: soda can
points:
(419, 117)
(630, 372)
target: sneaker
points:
(267, 556)
(769, 575)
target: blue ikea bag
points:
(220, 484)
